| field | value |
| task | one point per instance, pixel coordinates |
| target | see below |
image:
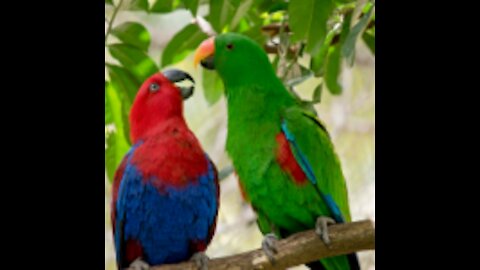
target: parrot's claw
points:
(321, 228)
(139, 264)
(201, 260)
(269, 246)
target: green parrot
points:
(283, 155)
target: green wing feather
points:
(314, 144)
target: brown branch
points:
(300, 248)
(273, 49)
(274, 28)
(204, 26)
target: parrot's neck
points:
(254, 113)
(144, 130)
(257, 101)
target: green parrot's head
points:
(237, 58)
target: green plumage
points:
(258, 102)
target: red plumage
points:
(158, 116)
(242, 188)
(133, 250)
(287, 161)
(165, 154)
(176, 149)
(151, 109)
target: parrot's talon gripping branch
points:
(321, 228)
(139, 264)
(201, 260)
(297, 249)
(269, 246)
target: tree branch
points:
(204, 26)
(300, 248)
(110, 24)
(273, 29)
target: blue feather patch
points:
(303, 160)
(165, 223)
(307, 168)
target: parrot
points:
(165, 194)
(281, 151)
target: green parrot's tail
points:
(352, 262)
(316, 266)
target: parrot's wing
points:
(314, 152)
(117, 215)
(213, 176)
(117, 178)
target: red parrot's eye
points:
(230, 46)
(154, 87)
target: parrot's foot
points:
(201, 260)
(269, 246)
(321, 228)
(139, 264)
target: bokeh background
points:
(349, 117)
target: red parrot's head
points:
(158, 100)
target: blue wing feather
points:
(165, 222)
(307, 169)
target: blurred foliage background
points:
(312, 44)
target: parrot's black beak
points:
(175, 75)
(208, 62)
(205, 54)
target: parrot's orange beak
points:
(204, 53)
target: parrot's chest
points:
(258, 171)
(272, 191)
(165, 220)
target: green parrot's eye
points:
(154, 87)
(230, 46)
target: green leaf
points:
(126, 87)
(344, 1)
(221, 13)
(243, 25)
(109, 2)
(255, 33)
(348, 49)
(133, 34)
(184, 42)
(369, 40)
(347, 20)
(308, 20)
(136, 61)
(317, 93)
(108, 113)
(275, 61)
(162, 6)
(191, 5)
(254, 27)
(271, 6)
(316, 98)
(124, 81)
(303, 76)
(117, 145)
(212, 86)
(332, 70)
(240, 12)
(138, 5)
(317, 62)
(116, 149)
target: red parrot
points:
(165, 191)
